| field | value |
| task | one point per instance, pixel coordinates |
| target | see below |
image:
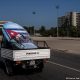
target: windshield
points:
(22, 39)
(20, 36)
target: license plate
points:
(32, 62)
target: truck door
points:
(5, 44)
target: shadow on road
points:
(25, 72)
(19, 71)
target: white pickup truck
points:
(18, 50)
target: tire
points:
(40, 67)
(8, 68)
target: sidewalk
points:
(69, 45)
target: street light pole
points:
(34, 26)
(57, 8)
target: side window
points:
(5, 43)
(0, 31)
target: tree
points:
(30, 29)
(62, 31)
(52, 31)
(73, 31)
(26, 28)
(42, 30)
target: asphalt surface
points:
(61, 66)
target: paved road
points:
(61, 66)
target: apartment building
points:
(70, 19)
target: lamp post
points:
(34, 26)
(57, 8)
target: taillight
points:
(45, 60)
(18, 62)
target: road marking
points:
(63, 66)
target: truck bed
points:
(31, 54)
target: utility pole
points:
(57, 8)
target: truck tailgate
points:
(31, 54)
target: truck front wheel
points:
(8, 68)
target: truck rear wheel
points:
(40, 67)
(8, 68)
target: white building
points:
(71, 18)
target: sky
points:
(21, 11)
